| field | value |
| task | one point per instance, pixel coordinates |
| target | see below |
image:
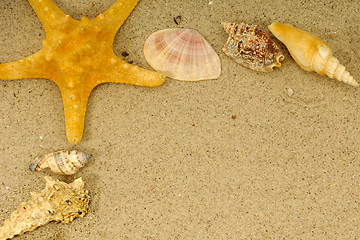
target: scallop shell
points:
(182, 54)
(251, 47)
(311, 53)
(58, 201)
(60, 162)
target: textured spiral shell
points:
(311, 53)
(251, 47)
(182, 54)
(60, 162)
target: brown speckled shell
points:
(60, 162)
(251, 47)
(58, 201)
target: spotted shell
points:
(182, 54)
(60, 162)
(58, 201)
(251, 47)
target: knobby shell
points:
(58, 201)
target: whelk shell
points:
(182, 54)
(251, 47)
(311, 53)
(60, 162)
(58, 201)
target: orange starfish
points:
(77, 56)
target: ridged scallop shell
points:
(311, 53)
(58, 201)
(182, 54)
(251, 47)
(60, 162)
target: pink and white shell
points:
(182, 54)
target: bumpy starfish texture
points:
(78, 56)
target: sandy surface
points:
(233, 158)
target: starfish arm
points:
(116, 15)
(33, 66)
(47, 12)
(130, 74)
(75, 102)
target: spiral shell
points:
(251, 47)
(58, 201)
(60, 162)
(311, 53)
(182, 54)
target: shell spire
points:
(311, 53)
(61, 162)
(58, 201)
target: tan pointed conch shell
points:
(311, 53)
(60, 162)
(58, 201)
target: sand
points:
(248, 156)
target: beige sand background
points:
(234, 158)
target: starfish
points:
(78, 56)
